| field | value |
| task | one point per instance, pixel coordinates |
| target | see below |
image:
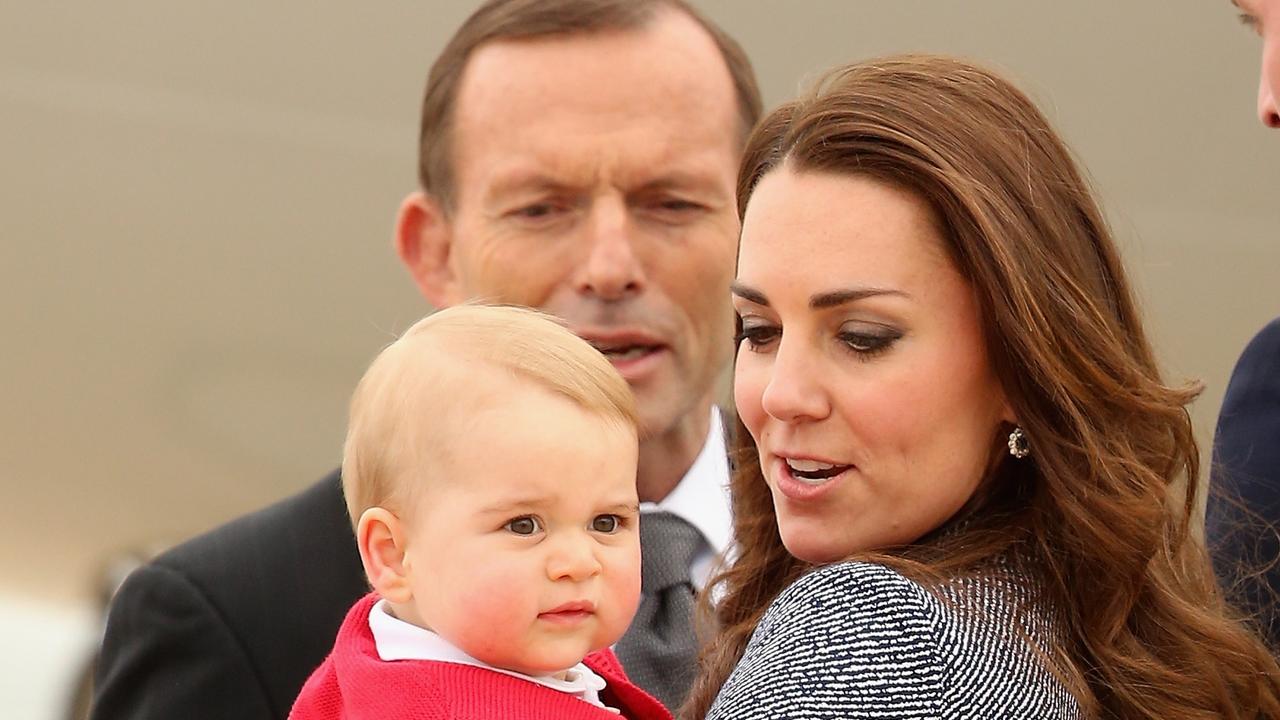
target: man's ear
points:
(381, 540)
(424, 242)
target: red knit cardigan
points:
(355, 684)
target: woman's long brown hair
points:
(1103, 508)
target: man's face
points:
(595, 180)
(1264, 17)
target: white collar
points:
(702, 497)
(396, 639)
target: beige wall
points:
(196, 198)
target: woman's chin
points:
(814, 548)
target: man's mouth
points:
(624, 352)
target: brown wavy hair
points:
(1103, 508)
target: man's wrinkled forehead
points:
(657, 85)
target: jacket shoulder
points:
(249, 608)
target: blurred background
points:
(195, 238)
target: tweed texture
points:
(858, 640)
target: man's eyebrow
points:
(525, 181)
(680, 180)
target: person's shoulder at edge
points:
(1262, 353)
(1242, 451)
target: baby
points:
(489, 470)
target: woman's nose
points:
(795, 391)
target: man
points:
(1244, 507)
(578, 156)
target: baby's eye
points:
(526, 525)
(606, 523)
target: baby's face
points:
(526, 553)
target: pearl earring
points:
(1018, 445)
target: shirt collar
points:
(396, 639)
(702, 496)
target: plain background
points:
(195, 237)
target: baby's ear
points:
(381, 540)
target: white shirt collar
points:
(396, 639)
(702, 499)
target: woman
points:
(959, 474)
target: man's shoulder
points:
(236, 617)
(301, 547)
(311, 521)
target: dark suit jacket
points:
(230, 624)
(1245, 492)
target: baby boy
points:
(489, 470)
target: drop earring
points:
(1018, 446)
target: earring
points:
(1018, 445)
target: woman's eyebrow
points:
(749, 294)
(833, 298)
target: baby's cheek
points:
(622, 596)
(494, 608)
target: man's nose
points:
(794, 392)
(611, 269)
(572, 557)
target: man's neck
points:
(665, 458)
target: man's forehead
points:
(671, 62)
(624, 107)
(628, 169)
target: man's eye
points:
(526, 525)
(677, 205)
(606, 523)
(540, 210)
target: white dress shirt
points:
(702, 499)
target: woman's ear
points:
(381, 540)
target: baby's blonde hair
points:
(414, 390)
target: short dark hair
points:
(517, 19)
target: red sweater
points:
(355, 684)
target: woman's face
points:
(862, 374)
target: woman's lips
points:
(804, 489)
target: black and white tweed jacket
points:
(857, 640)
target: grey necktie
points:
(659, 650)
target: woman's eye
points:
(867, 344)
(526, 525)
(757, 337)
(606, 523)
